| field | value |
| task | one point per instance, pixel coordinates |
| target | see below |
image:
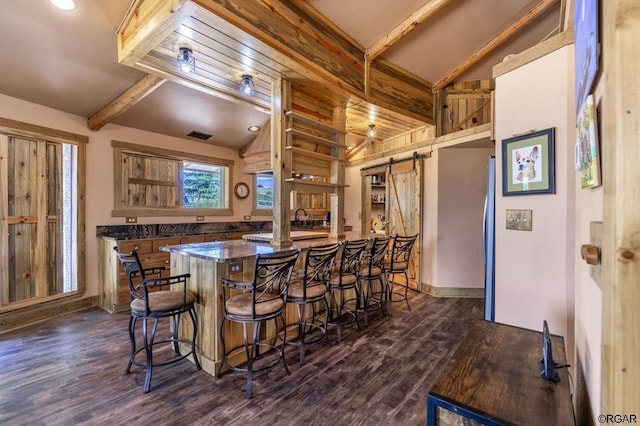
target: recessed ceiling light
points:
(64, 4)
(254, 129)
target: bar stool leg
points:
(148, 349)
(132, 338)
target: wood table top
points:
(495, 372)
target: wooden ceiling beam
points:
(125, 101)
(527, 18)
(392, 37)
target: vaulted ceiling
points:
(69, 60)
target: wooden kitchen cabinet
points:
(113, 282)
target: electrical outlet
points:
(200, 218)
(235, 267)
(520, 220)
(247, 217)
(132, 219)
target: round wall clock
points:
(241, 190)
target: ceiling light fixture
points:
(246, 86)
(254, 129)
(372, 132)
(64, 4)
(186, 62)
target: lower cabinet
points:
(113, 283)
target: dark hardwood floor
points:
(71, 371)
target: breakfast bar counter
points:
(208, 263)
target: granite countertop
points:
(295, 235)
(238, 250)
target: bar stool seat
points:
(315, 289)
(162, 302)
(242, 305)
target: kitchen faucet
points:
(295, 216)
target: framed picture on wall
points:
(587, 148)
(528, 164)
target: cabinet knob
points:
(590, 254)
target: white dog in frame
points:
(526, 167)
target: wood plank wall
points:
(463, 105)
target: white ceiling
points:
(68, 60)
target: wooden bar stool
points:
(344, 279)
(150, 301)
(398, 263)
(309, 290)
(258, 301)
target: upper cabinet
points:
(374, 200)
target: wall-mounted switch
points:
(520, 220)
(247, 217)
(200, 218)
(235, 267)
(132, 219)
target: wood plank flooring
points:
(71, 371)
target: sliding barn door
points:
(405, 209)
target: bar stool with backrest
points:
(371, 272)
(151, 300)
(255, 302)
(397, 263)
(309, 290)
(344, 293)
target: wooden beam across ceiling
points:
(125, 101)
(392, 37)
(527, 18)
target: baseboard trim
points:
(20, 318)
(461, 292)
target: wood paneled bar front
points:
(208, 263)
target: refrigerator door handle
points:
(484, 230)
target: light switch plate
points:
(520, 220)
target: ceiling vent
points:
(199, 135)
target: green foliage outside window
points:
(202, 186)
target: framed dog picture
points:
(528, 164)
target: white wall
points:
(462, 179)
(535, 270)
(99, 200)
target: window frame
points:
(122, 210)
(255, 211)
